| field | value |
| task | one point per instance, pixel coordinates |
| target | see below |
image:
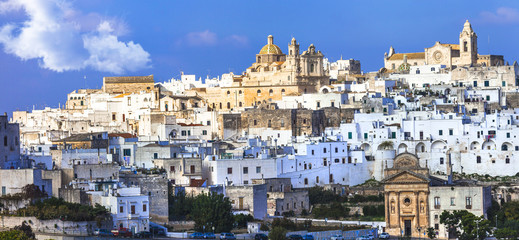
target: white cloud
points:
(208, 38)
(501, 15)
(63, 39)
(205, 38)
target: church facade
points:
(463, 54)
(272, 76)
(414, 200)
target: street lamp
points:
(419, 232)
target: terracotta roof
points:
(123, 135)
(452, 46)
(197, 183)
(400, 56)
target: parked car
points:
(157, 231)
(384, 235)
(196, 235)
(370, 236)
(143, 234)
(103, 233)
(209, 235)
(296, 237)
(362, 238)
(122, 232)
(337, 237)
(308, 237)
(261, 236)
(227, 236)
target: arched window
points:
(166, 106)
(228, 105)
(465, 48)
(220, 105)
(312, 67)
(240, 104)
(228, 93)
(271, 92)
(81, 103)
(306, 181)
(240, 93)
(290, 52)
(317, 179)
(282, 92)
(259, 93)
(504, 147)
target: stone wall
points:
(156, 188)
(52, 226)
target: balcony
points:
(133, 215)
(437, 206)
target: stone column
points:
(398, 209)
(388, 209)
(417, 193)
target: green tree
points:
(26, 229)
(242, 219)
(278, 233)
(511, 210)
(179, 206)
(465, 225)
(212, 210)
(13, 235)
(506, 233)
(431, 234)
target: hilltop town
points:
(428, 132)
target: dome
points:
(270, 48)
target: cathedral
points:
(463, 54)
(272, 76)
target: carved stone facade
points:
(406, 190)
(463, 54)
(272, 76)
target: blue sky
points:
(50, 48)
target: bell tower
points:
(468, 45)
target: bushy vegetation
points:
(22, 232)
(241, 220)
(335, 210)
(54, 208)
(507, 219)
(318, 195)
(29, 192)
(465, 225)
(212, 211)
(370, 198)
(375, 211)
(277, 233)
(179, 206)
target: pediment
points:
(405, 177)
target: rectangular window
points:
(365, 135)
(503, 84)
(325, 163)
(155, 155)
(451, 131)
(468, 203)
(324, 150)
(183, 133)
(144, 208)
(436, 226)
(437, 204)
(229, 170)
(132, 209)
(127, 152)
(204, 132)
(487, 83)
(350, 135)
(121, 209)
(245, 170)
(441, 160)
(453, 201)
(475, 83)
(507, 135)
(258, 169)
(440, 132)
(208, 123)
(393, 135)
(3, 191)
(478, 159)
(172, 168)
